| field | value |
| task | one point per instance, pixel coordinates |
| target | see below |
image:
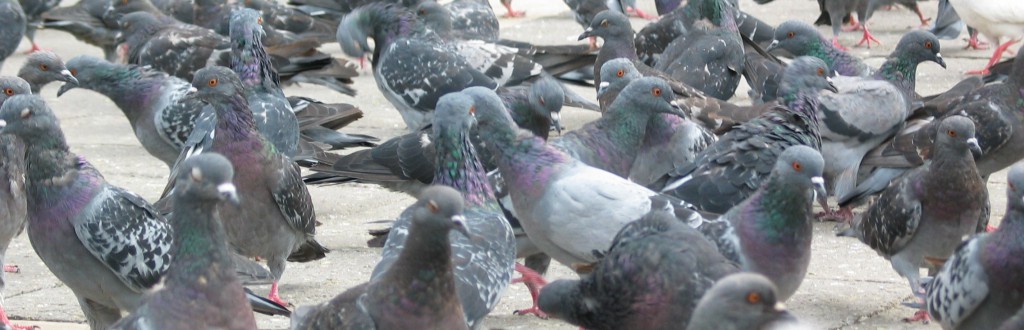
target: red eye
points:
(797, 166)
(213, 82)
(821, 72)
(74, 72)
(620, 73)
(791, 34)
(43, 67)
(928, 44)
(8, 91)
(951, 133)
(472, 109)
(753, 297)
(656, 91)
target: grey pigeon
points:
(42, 67)
(837, 12)
(474, 19)
(802, 39)
(737, 164)
(12, 186)
(34, 10)
(14, 27)
(276, 220)
(168, 46)
(618, 74)
(199, 290)
(926, 212)
(975, 289)
(87, 20)
(482, 265)
(709, 57)
(947, 23)
(418, 291)
(738, 302)
(651, 278)
(770, 232)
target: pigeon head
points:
(207, 176)
(439, 210)
(138, 22)
(434, 17)
(1015, 187)
(454, 109)
(713, 10)
(796, 37)
(90, 71)
(11, 86)
(561, 299)
(44, 67)
(746, 300)
(648, 94)
(546, 99)
(27, 117)
(216, 82)
(246, 23)
(615, 75)
(919, 46)
(957, 133)
(608, 23)
(490, 112)
(801, 165)
(807, 73)
(383, 22)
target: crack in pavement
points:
(858, 319)
(21, 293)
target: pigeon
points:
(42, 67)
(12, 187)
(948, 24)
(276, 220)
(997, 20)
(770, 232)
(651, 278)
(14, 27)
(738, 302)
(869, 7)
(171, 47)
(710, 57)
(618, 74)
(653, 38)
(119, 243)
(418, 291)
(867, 111)
(482, 266)
(732, 168)
(837, 12)
(976, 287)
(802, 39)
(613, 142)
(34, 10)
(87, 20)
(474, 19)
(199, 289)
(926, 212)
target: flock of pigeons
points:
(677, 208)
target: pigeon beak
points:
(603, 87)
(819, 186)
(772, 46)
(66, 87)
(938, 59)
(229, 193)
(192, 91)
(586, 33)
(460, 225)
(677, 110)
(780, 307)
(68, 77)
(556, 121)
(972, 143)
(3, 124)
(831, 86)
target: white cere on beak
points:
(818, 180)
(226, 188)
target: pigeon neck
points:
(234, 117)
(131, 89)
(786, 208)
(900, 72)
(199, 241)
(525, 160)
(35, 82)
(389, 22)
(625, 125)
(459, 167)
(531, 118)
(250, 60)
(802, 100)
(425, 264)
(49, 159)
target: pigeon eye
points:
(928, 44)
(656, 91)
(259, 20)
(74, 72)
(620, 73)
(753, 297)
(213, 82)
(432, 206)
(791, 34)
(821, 72)
(472, 110)
(44, 67)
(9, 91)
(798, 167)
(604, 23)
(951, 133)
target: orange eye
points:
(656, 91)
(74, 72)
(797, 166)
(604, 23)
(9, 91)
(790, 34)
(472, 109)
(43, 67)
(213, 82)
(620, 73)
(753, 297)
(821, 72)
(928, 44)
(259, 20)
(951, 133)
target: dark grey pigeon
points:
(171, 47)
(87, 20)
(618, 74)
(42, 67)
(741, 301)
(276, 220)
(837, 12)
(34, 10)
(482, 265)
(926, 212)
(975, 289)
(872, 5)
(12, 187)
(418, 291)
(474, 19)
(13, 28)
(656, 260)
(802, 39)
(737, 164)
(199, 290)
(1015, 322)
(770, 232)
(710, 56)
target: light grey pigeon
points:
(928, 211)
(12, 29)
(977, 288)
(418, 290)
(12, 187)
(42, 67)
(739, 302)
(200, 289)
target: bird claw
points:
(975, 43)
(868, 38)
(532, 310)
(979, 72)
(12, 268)
(836, 44)
(842, 215)
(514, 14)
(990, 228)
(919, 316)
(275, 297)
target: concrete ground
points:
(848, 285)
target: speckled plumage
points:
(87, 21)
(166, 45)
(710, 56)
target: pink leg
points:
(975, 43)
(275, 297)
(868, 38)
(843, 214)
(990, 228)
(924, 21)
(511, 13)
(919, 316)
(640, 13)
(854, 24)
(12, 268)
(534, 282)
(998, 54)
(6, 321)
(35, 48)
(835, 42)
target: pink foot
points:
(532, 310)
(12, 268)
(996, 55)
(533, 282)
(843, 214)
(275, 297)
(974, 43)
(919, 316)
(35, 48)
(990, 228)
(854, 25)
(868, 38)
(835, 43)
(512, 13)
(7, 322)
(593, 44)
(640, 13)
